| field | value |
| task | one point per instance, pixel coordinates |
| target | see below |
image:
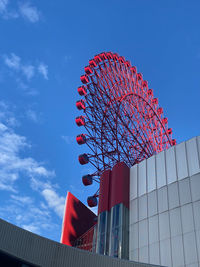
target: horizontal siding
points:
(41, 251)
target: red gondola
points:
(103, 56)
(97, 59)
(83, 159)
(139, 76)
(87, 180)
(88, 70)
(150, 92)
(144, 84)
(80, 121)
(84, 79)
(115, 56)
(121, 59)
(169, 131)
(160, 110)
(128, 64)
(81, 139)
(80, 104)
(155, 101)
(92, 63)
(92, 201)
(109, 55)
(82, 90)
(173, 142)
(133, 70)
(165, 120)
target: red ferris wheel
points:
(121, 117)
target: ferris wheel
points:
(121, 118)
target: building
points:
(151, 212)
(20, 248)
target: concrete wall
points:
(165, 207)
(40, 251)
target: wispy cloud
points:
(32, 115)
(12, 164)
(21, 208)
(43, 70)
(68, 139)
(29, 12)
(32, 228)
(48, 191)
(26, 88)
(3, 5)
(28, 214)
(15, 63)
(28, 71)
(25, 10)
(54, 201)
(22, 199)
(7, 116)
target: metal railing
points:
(88, 240)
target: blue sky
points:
(43, 50)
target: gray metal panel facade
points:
(41, 251)
(165, 207)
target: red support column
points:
(120, 185)
(104, 192)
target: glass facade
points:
(119, 235)
(113, 232)
(116, 231)
(103, 233)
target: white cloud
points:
(26, 88)
(3, 5)
(38, 185)
(32, 115)
(5, 12)
(23, 207)
(43, 70)
(7, 187)
(54, 201)
(22, 199)
(12, 165)
(23, 211)
(28, 71)
(25, 10)
(29, 12)
(7, 116)
(68, 139)
(32, 228)
(12, 121)
(13, 61)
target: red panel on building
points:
(119, 189)
(77, 220)
(104, 192)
